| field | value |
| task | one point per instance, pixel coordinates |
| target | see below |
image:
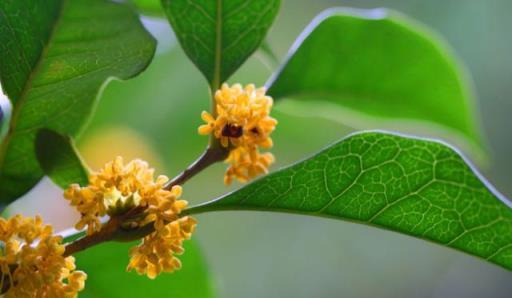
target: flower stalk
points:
(211, 155)
(113, 229)
(147, 208)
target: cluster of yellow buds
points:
(117, 189)
(156, 252)
(243, 124)
(32, 261)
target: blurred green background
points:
(155, 117)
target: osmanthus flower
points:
(32, 261)
(246, 163)
(243, 124)
(157, 251)
(118, 189)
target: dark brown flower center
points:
(255, 131)
(232, 131)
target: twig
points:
(113, 229)
(106, 233)
(210, 156)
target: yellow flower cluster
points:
(156, 252)
(32, 261)
(119, 188)
(243, 124)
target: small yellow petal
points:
(205, 129)
(247, 108)
(207, 117)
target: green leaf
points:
(219, 35)
(375, 69)
(55, 56)
(149, 7)
(59, 159)
(268, 54)
(105, 266)
(413, 186)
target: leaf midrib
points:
(19, 103)
(218, 48)
(211, 207)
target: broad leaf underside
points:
(377, 63)
(413, 186)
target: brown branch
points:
(106, 233)
(210, 156)
(113, 229)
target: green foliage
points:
(379, 64)
(412, 186)
(25, 28)
(149, 7)
(269, 53)
(106, 275)
(55, 56)
(218, 36)
(59, 159)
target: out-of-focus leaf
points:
(59, 159)
(413, 186)
(377, 63)
(105, 266)
(149, 7)
(269, 54)
(219, 35)
(54, 58)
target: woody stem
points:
(106, 233)
(211, 155)
(113, 230)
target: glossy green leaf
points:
(219, 35)
(54, 58)
(375, 69)
(59, 159)
(413, 186)
(25, 27)
(105, 266)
